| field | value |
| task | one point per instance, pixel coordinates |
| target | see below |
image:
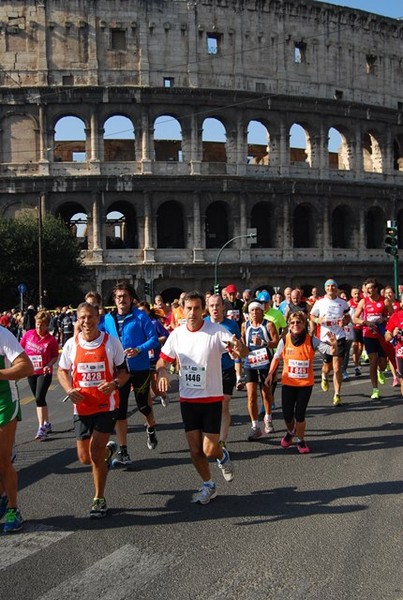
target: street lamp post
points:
(237, 237)
(40, 236)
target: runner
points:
(216, 315)
(43, 350)
(260, 336)
(198, 347)
(91, 370)
(372, 313)
(332, 314)
(297, 351)
(14, 365)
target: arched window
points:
(76, 220)
(262, 219)
(121, 226)
(168, 139)
(119, 139)
(214, 141)
(19, 140)
(217, 225)
(375, 227)
(300, 148)
(258, 144)
(341, 227)
(70, 140)
(170, 226)
(303, 227)
(372, 155)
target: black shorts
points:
(373, 346)
(228, 381)
(358, 336)
(202, 416)
(340, 352)
(84, 425)
(140, 382)
(256, 375)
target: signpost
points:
(22, 288)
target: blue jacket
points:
(137, 332)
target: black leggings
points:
(39, 385)
(294, 400)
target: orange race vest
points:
(298, 363)
(91, 367)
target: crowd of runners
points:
(214, 344)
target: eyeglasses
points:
(295, 322)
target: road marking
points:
(32, 539)
(119, 575)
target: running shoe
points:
(226, 466)
(151, 438)
(337, 400)
(324, 384)
(48, 428)
(240, 385)
(205, 494)
(122, 459)
(375, 394)
(357, 372)
(346, 376)
(41, 434)
(3, 505)
(112, 447)
(222, 444)
(254, 434)
(268, 424)
(396, 381)
(13, 521)
(381, 377)
(303, 448)
(163, 399)
(286, 440)
(99, 509)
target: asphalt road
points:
(326, 526)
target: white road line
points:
(32, 539)
(116, 577)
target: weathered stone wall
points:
(276, 62)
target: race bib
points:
(258, 358)
(298, 369)
(151, 354)
(91, 374)
(233, 314)
(399, 351)
(194, 377)
(37, 362)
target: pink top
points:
(40, 350)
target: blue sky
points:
(388, 8)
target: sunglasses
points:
(295, 322)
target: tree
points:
(62, 269)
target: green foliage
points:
(62, 271)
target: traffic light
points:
(391, 238)
(217, 288)
(147, 288)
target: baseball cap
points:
(263, 296)
(231, 289)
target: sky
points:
(387, 8)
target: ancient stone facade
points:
(159, 210)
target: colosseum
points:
(160, 130)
